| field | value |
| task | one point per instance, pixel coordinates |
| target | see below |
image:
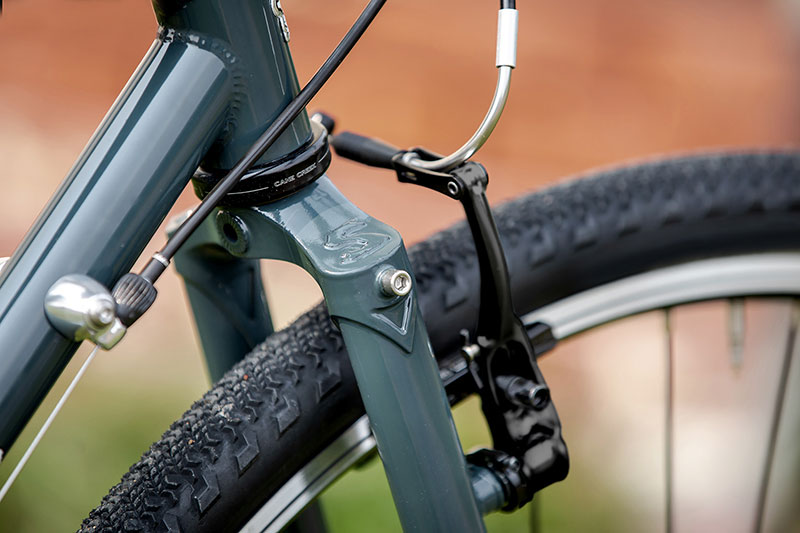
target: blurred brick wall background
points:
(598, 82)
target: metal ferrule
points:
(507, 23)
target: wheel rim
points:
(776, 274)
(745, 275)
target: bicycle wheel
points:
(287, 420)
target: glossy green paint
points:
(106, 210)
(345, 250)
(248, 35)
(217, 74)
(226, 294)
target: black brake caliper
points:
(529, 451)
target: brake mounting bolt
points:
(395, 282)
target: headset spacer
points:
(265, 184)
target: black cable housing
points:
(508, 4)
(155, 268)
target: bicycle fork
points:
(363, 270)
(365, 276)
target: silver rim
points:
(745, 275)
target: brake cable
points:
(505, 61)
(377, 153)
(47, 423)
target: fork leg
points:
(414, 431)
(346, 251)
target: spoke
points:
(668, 424)
(736, 327)
(791, 339)
(535, 515)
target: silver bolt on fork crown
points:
(395, 282)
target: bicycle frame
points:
(217, 74)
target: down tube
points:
(106, 211)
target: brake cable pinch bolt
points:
(395, 282)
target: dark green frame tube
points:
(227, 298)
(210, 84)
(106, 211)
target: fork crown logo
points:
(352, 241)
